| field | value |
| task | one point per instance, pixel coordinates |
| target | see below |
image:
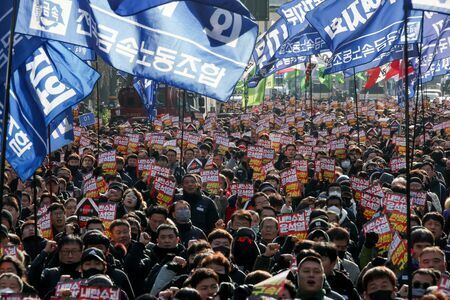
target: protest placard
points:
(165, 189)
(293, 224)
(121, 144)
(289, 182)
(211, 181)
(398, 253)
(397, 164)
(370, 204)
(380, 225)
(301, 166)
(395, 207)
(243, 190)
(328, 168)
(107, 213)
(45, 226)
(108, 162)
(358, 186)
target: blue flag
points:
(357, 32)
(183, 44)
(147, 91)
(52, 80)
(308, 42)
(437, 68)
(294, 13)
(433, 26)
(132, 7)
(268, 45)
(84, 53)
(23, 45)
(43, 88)
(396, 53)
(441, 6)
(61, 130)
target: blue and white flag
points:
(357, 32)
(61, 130)
(294, 13)
(437, 68)
(84, 53)
(23, 45)
(132, 7)
(433, 26)
(268, 45)
(183, 44)
(396, 53)
(284, 63)
(308, 42)
(52, 80)
(441, 6)
(147, 91)
(43, 88)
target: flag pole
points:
(49, 145)
(356, 105)
(182, 129)
(408, 166)
(7, 99)
(309, 69)
(418, 83)
(35, 204)
(97, 96)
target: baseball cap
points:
(92, 254)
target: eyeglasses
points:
(423, 285)
(70, 251)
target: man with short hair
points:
(434, 258)
(379, 283)
(310, 279)
(156, 215)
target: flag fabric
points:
(385, 72)
(23, 45)
(357, 33)
(185, 44)
(437, 68)
(294, 13)
(84, 53)
(46, 85)
(61, 130)
(132, 7)
(268, 44)
(146, 89)
(256, 94)
(306, 43)
(270, 82)
(441, 6)
(434, 25)
(282, 64)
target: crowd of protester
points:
(204, 244)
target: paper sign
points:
(398, 253)
(370, 205)
(45, 225)
(108, 162)
(98, 293)
(121, 144)
(328, 166)
(211, 180)
(293, 224)
(107, 213)
(165, 190)
(290, 183)
(380, 226)
(243, 190)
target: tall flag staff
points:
(97, 99)
(408, 153)
(356, 105)
(182, 128)
(419, 84)
(6, 102)
(309, 77)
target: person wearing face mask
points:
(334, 204)
(69, 250)
(422, 279)
(181, 215)
(221, 241)
(131, 168)
(341, 238)
(379, 283)
(73, 164)
(220, 264)
(204, 213)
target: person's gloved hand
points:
(371, 239)
(242, 292)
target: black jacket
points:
(204, 213)
(190, 232)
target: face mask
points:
(419, 292)
(341, 254)
(381, 295)
(223, 278)
(345, 164)
(183, 215)
(91, 272)
(255, 229)
(334, 193)
(223, 249)
(6, 291)
(335, 209)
